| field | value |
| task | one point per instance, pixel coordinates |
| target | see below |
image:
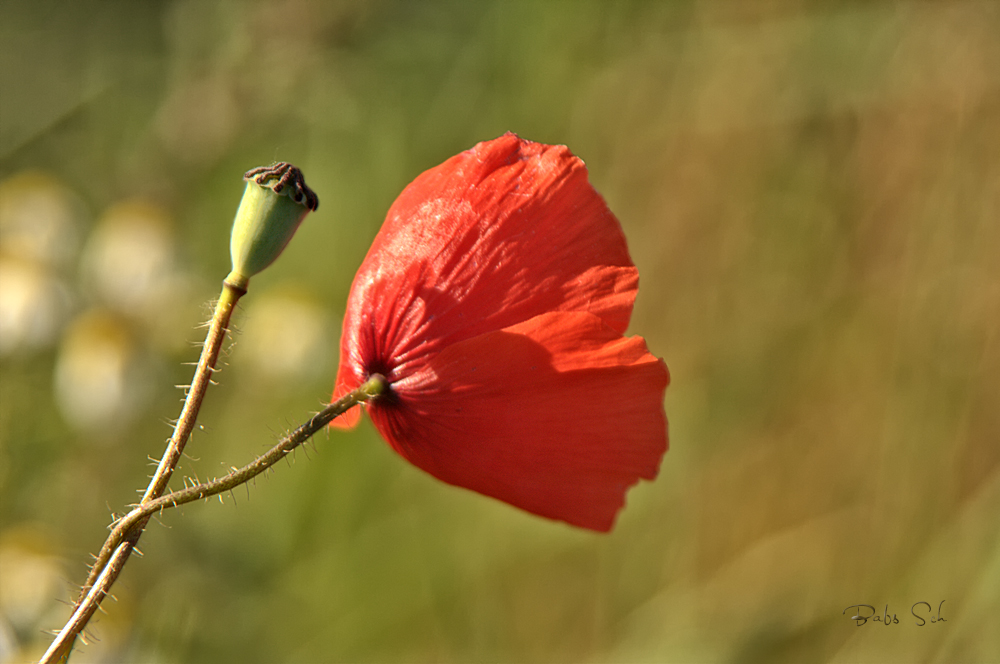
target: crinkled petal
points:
(558, 415)
(490, 238)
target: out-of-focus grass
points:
(811, 192)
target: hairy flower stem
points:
(113, 555)
(125, 526)
(128, 529)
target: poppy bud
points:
(274, 203)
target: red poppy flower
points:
(494, 300)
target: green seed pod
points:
(274, 203)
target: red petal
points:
(558, 415)
(492, 237)
(350, 419)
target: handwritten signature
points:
(865, 612)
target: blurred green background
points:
(811, 192)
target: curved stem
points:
(196, 394)
(125, 526)
(128, 529)
(112, 557)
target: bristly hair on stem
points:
(128, 528)
(275, 201)
(375, 386)
(112, 557)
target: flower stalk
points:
(128, 529)
(374, 386)
(275, 202)
(114, 554)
